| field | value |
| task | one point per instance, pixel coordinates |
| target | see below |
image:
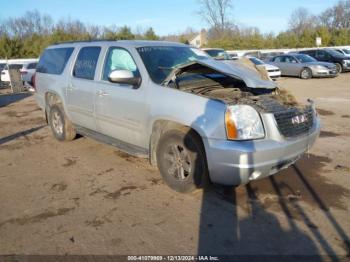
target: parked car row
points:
(325, 62)
(27, 70)
(220, 54)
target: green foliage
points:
(30, 34)
(150, 35)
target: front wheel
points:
(181, 160)
(339, 68)
(306, 73)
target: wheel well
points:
(50, 100)
(158, 129)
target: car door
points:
(81, 90)
(122, 110)
(279, 61)
(292, 66)
(322, 55)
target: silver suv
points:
(196, 118)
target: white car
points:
(26, 67)
(27, 71)
(273, 71)
(5, 76)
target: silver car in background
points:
(303, 66)
(273, 71)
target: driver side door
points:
(121, 109)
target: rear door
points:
(322, 55)
(81, 89)
(292, 66)
(280, 62)
(122, 110)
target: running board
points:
(122, 146)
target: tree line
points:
(332, 25)
(27, 35)
(30, 34)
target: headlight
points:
(243, 122)
(346, 61)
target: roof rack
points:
(84, 41)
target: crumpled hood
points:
(229, 68)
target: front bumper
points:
(274, 74)
(324, 72)
(238, 162)
(346, 66)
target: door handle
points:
(101, 93)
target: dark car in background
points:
(329, 55)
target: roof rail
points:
(84, 41)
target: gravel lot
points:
(83, 197)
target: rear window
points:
(31, 66)
(86, 62)
(53, 61)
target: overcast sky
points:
(165, 16)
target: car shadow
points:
(7, 99)
(9, 138)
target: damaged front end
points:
(234, 85)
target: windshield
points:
(256, 61)
(334, 53)
(346, 51)
(305, 58)
(161, 60)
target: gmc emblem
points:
(299, 119)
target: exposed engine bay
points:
(208, 82)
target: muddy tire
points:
(61, 127)
(339, 68)
(181, 160)
(306, 73)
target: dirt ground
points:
(83, 197)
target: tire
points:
(306, 73)
(181, 160)
(339, 68)
(61, 127)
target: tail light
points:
(24, 72)
(33, 81)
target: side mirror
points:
(124, 77)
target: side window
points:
(54, 60)
(31, 66)
(322, 54)
(85, 65)
(280, 59)
(118, 59)
(290, 59)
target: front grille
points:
(294, 122)
(273, 70)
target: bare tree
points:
(300, 20)
(336, 17)
(215, 13)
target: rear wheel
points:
(181, 160)
(339, 68)
(306, 73)
(61, 127)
